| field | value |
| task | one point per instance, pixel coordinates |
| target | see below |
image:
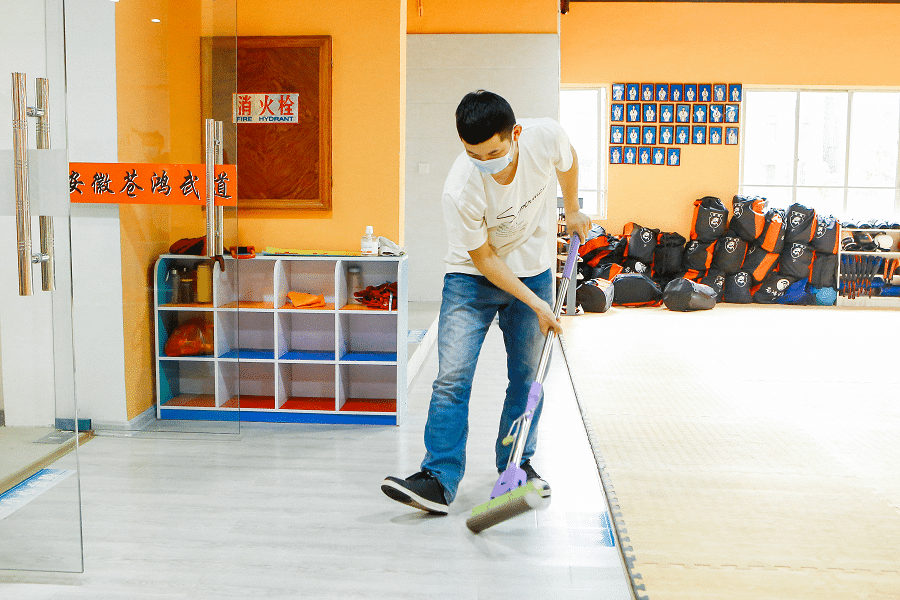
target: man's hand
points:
(547, 320)
(578, 222)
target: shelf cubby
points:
(187, 384)
(368, 337)
(368, 388)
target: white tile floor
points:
(295, 511)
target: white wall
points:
(440, 70)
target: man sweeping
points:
(499, 202)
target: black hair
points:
(481, 115)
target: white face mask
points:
(494, 165)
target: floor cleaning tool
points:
(513, 494)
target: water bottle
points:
(369, 246)
(354, 284)
(186, 287)
(173, 277)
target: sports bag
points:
(729, 253)
(737, 288)
(827, 237)
(801, 224)
(715, 279)
(772, 237)
(698, 255)
(669, 254)
(796, 260)
(606, 271)
(748, 217)
(759, 263)
(824, 271)
(709, 220)
(635, 289)
(640, 242)
(635, 266)
(771, 288)
(684, 295)
(601, 247)
(595, 295)
(798, 293)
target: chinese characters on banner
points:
(139, 183)
(265, 108)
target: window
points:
(582, 114)
(836, 151)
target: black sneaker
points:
(421, 490)
(542, 486)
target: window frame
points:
(846, 187)
(602, 184)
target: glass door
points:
(40, 510)
(168, 177)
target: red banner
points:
(142, 183)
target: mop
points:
(513, 495)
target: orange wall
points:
(752, 44)
(482, 16)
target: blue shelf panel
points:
(253, 416)
(387, 357)
(306, 355)
(249, 354)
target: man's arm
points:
(576, 221)
(491, 266)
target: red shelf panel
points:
(370, 405)
(317, 404)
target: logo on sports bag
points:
(797, 250)
(720, 281)
(639, 267)
(738, 210)
(693, 246)
(646, 236)
(741, 279)
(820, 229)
(715, 220)
(782, 284)
(796, 218)
(731, 245)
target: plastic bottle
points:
(354, 284)
(369, 246)
(173, 277)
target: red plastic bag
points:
(191, 338)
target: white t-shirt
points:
(515, 218)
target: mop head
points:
(506, 506)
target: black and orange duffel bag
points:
(698, 255)
(640, 242)
(684, 295)
(771, 288)
(748, 217)
(759, 263)
(827, 238)
(595, 295)
(796, 260)
(738, 288)
(710, 219)
(601, 247)
(729, 253)
(636, 289)
(772, 238)
(801, 224)
(669, 254)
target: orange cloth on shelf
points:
(304, 300)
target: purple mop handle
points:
(574, 243)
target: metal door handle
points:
(21, 112)
(215, 242)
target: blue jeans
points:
(468, 306)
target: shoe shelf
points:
(271, 361)
(863, 299)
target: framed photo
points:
(715, 135)
(615, 155)
(647, 92)
(616, 134)
(676, 92)
(716, 113)
(719, 92)
(666, 135)
(674, 157)
(662, 92)
(618, 92)
(649, 113)
(735, 93)
(633, 135)
(659, 156)
(616, 112)
(666, 113)
(630, 155)
(699, 113)
(698, 135)
(644, 155)
(683, 113)
(649, 135)
(632, 92)
(633, 113)
(704, 92)
(690, 92)
(683, 135)
(731, 136)
(732, 113)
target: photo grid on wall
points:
(650, 122)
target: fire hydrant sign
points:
(265, 108)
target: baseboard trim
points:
(138, 423)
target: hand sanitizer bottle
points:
(369, 246)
